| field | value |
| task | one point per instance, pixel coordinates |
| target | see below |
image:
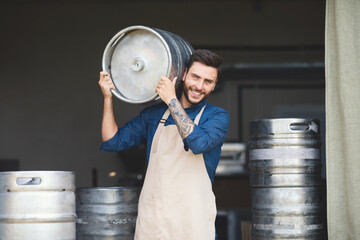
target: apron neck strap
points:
(197, 118)
(165, 116)
(158, 130)
(162, 124)
(167, 113)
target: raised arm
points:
(184, 124)
(109, 126)
(166, 91)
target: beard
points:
(186, 94)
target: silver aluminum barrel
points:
(106, 213)
(37, 205)
(138, 56)
(285, 179)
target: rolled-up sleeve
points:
(209, 134)
(132, 134)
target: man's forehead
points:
(203, 70)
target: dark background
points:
(50, 58)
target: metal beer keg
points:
(138, 56)
(285, 179)
(106, 213)
(37, 205)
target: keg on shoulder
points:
(37, 205)
(106, 213)
(285, 179)
(138, 56)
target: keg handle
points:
(299, 126)
(115, 93)
(28, 181)
(303, 126)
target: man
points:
(184, 138)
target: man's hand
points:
(166, 89)
(109, 126)
(106, 84)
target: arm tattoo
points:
(184, 124)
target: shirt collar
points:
(197, 106)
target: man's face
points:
(199, 82)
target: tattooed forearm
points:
(184, 124)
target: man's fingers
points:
(104, 75)
(105, 81)
(163, 80)
(109, 84)
(174, 80)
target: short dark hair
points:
(205, 57)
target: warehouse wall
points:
(50, 102)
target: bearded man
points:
(184, 137)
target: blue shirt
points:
(206, 138)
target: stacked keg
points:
(40, 205)
(285, 179)
(106, 213)
(37, 205)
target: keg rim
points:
(106, 188)
(287, 126)
(38, 171)
(284, 119)
(113, 42)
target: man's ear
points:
(214, 85)
(184, 76)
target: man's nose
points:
(199, 85)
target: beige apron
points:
(176, 201)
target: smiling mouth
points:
(196, 93)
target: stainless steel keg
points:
(37, 205)
(106, 213)
(285, 179)
(138, 56)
